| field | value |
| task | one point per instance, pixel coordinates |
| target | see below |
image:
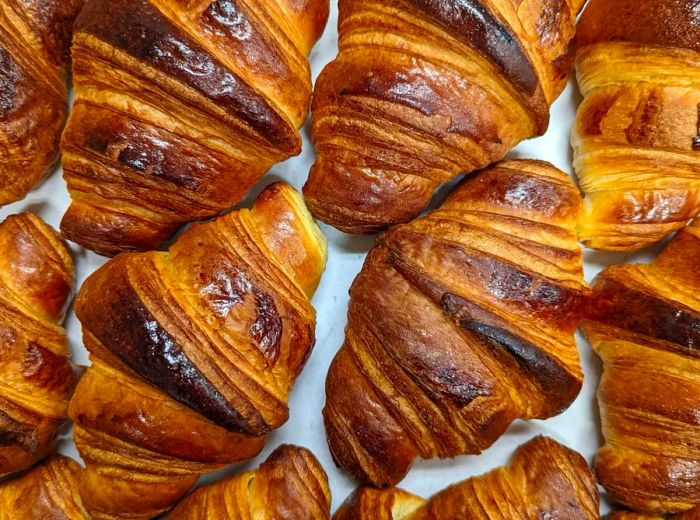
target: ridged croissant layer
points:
(289, 485)
(48, 492)
(193, 351)
(637, 134)
(423, 90)
(36, 375)
(34, 42)
(543, 480)
(644, 323)
(459, 323)
(180, 107)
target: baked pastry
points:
(180, 108)
(47, 491)
(544, 480)
(637, 134)
(289, 485)
(644, 323)
(36, 375)
(459, 323)
(193, 351)
(423, 90)
(623, 514)
(34, 53)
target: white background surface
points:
(578, 427)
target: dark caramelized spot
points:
(15, 432)
(266, 330)
(631, 308)
(137, 27)
(134, 335)
(674, 23)
(471, 21)
(696, 139)
(10, 75)
(551, 377)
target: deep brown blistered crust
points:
(654, 315)
(36, 375)
(133, 334)
(137, 27)
(9, 78)
(180, 109)
(423, 90)
(194, 351)
(34, 40)
(644, 323)
(459, 323)
(672, 23)
(290, 484)
(472, 21)
(543, 480)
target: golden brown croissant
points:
(180, 107)
(48, 492)
(423, 90)
(644, 323)
(637, 133)
(544, 480)
(34, 44)
(36, 376)
(193, 352)
(622, 514)
(459, 323)
(289, 485)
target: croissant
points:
(423, 90)
(459, 323)
(644, 323)
(34, 44)
(48, 491)
(180, 107)
(289, 485)
(36, 375)
(193, 352)
(637, 134)
(544, 480)
(622, 514)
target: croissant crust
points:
(637, 134)
(423, 90)
(644, 323)
(47, 491)
(450, 338)
(180, 108)
(193, 351)
(34, 42)
(289, 485)
(543, 480)
(36, 375)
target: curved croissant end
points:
(193, 352)
(48, 491)
(289, 485)
(620, 514)
(644, 323)
(36, 375)
(637, 134)
(543, 480)
(34, 43)
(423, 90)
(459, 323)
(180, 108)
